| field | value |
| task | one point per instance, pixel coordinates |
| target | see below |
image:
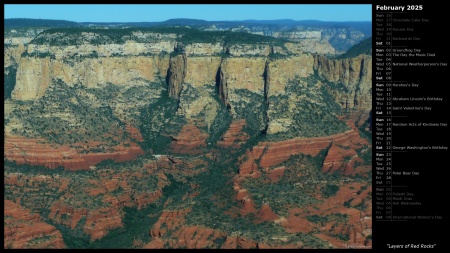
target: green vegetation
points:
(74, 36)
(311, 241)
(342, 237)
(322, 220)
(136, 224)
(65, 115)
(313, 110)
(221, 122)
(159, 122)
(296, 192)
(76, 114)
(329, 190)
(250, 107)
(363, 47)
(37, 54)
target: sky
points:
(210, 12)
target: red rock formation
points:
(155, 243)
(182, 235)
(100, 221)
(120, 154)
(146, 198)
(266, 213)
(75, 214)
(294, 224)
(278, 152)
(248, 166)
(23, 229)
(273, 153)
(247, 204)
(234, 136)
(341, 155)
(337, 158)
(36, 152)
(190, 140)
(195, 237)
(39, 152)
(276, 174)
(236, 242)
(358, 225)
(170, 218)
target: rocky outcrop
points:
(100, 221)
(25, 230)
(341, 159)
(266, 76)
(176, 74)
(248, 165)
(181, 235)
(266, 213)
(222, 86)
(276, 174)
(97, 222)
(190, 140)
(236, 242)
(354, 74)
(191, 237)
(277, 152)
(234, 136)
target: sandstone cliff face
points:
(356, 76)
(35, 74)
(335, 40)
(123, 64)
(12, 54)
(202, 70)
(283, 70)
